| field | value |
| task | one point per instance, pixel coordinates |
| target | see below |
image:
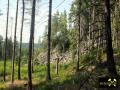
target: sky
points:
(40, 20)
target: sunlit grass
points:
(66, 76)
(38, 74)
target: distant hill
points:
(26, 45)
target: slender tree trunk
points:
(110, 59)
(48, 76)
(30, 46)
(93, 28)
(73, 55)
(57, 63)
(89, 40)
(117, 26)
(78, 44)
(14, 47)
(33, 54)
(19, 62)
(11, 27)
(98, 56)
(4, 74)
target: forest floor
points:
(67, 79)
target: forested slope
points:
(76, 49)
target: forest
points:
(77, 49)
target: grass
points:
(38, 74)
(67, 79)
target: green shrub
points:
(65, 66)
(89, 57)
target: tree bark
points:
(19, 61)
(14, 48)
(4, 74)
(33, 54)
(57, 67)
(93, 28)
(48, 76)
(30, 46)
(110, 59)
(78, 44)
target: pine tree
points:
(110, 59)
(4, 76)
(19, 62)
(30, 45)
(48, 77)
(14, 47)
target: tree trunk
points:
(48, 76)
(19, 62)
(33, 54)
(93, 28)
(57, 62)
(117, 26)
(14, 48)
(89, 40)
(4, 74)
(73, 55)
(110, 59)
(78, 44)
(30, 46)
